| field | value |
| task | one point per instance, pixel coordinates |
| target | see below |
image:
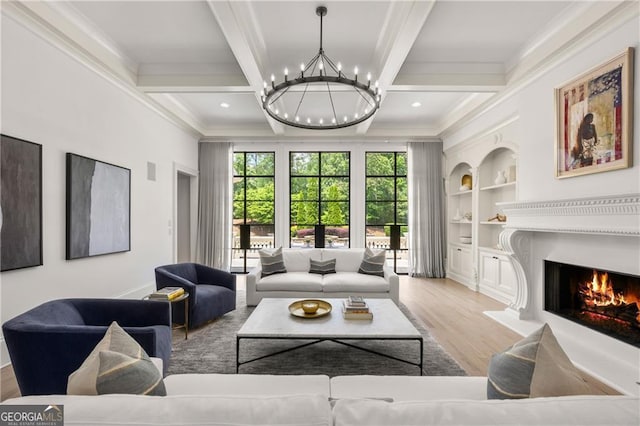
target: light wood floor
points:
(450, 311)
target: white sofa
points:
(298, 282)
(216, 399)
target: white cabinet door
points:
(496, 275)
(461, 264)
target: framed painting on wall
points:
(20, 203)
(594, 114)
(98, 207)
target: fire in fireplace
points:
(606, 301)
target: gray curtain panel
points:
(213, 244)
(427, 246)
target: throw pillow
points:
(117, 364)
(372, 263)
(322, 267)
(272, 262)
(534, 367)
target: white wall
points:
(51, 99)
(535, 106)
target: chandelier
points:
(320, 96)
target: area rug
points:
(212, 349)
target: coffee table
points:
(271, 320)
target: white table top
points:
(271, 319)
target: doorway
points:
(185, 213)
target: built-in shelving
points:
(501, 185)
(491, 162)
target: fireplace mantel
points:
(609, 215)
(617, 215)
(602, 232)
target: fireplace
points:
(606, 301)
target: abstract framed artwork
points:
(98, 208)
(594, 119)
(20, 203)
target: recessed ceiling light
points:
(224, 105)
(416, 104)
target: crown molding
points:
(58, 31)
(599, 18)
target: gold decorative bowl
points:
(310, 308)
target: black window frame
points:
(244, 176)
(395, 199)
(320, 243)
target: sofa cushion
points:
(272, 262)
(536, 366)
(372, 263)
(347, 260)
(408, 388)
(322, 267)
(572, 410)
(354, 282)
(291, 281)
(118, 364)
(247, 384)
(187, 410)
(297, 260)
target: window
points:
(319, 196)
(387, 205)
(253, 207)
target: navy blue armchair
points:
(49, 342)
(212, 292)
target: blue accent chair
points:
(212, 292)
(49, 342)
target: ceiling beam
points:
(402, 26)
(239, 25)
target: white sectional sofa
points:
(298, 282)
(217, 399)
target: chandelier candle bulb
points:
(322, 77)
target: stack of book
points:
(167, 293)
(356, 308)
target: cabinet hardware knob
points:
(495, 257)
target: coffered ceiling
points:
(204, 62)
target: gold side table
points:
(184, 297)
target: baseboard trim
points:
(138, 292)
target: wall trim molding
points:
(623, 12)
(578, 215)
(44, 29)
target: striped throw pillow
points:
(272, 262)
(372, 263)
(536, 366)
(117, 364)
(322, 267)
